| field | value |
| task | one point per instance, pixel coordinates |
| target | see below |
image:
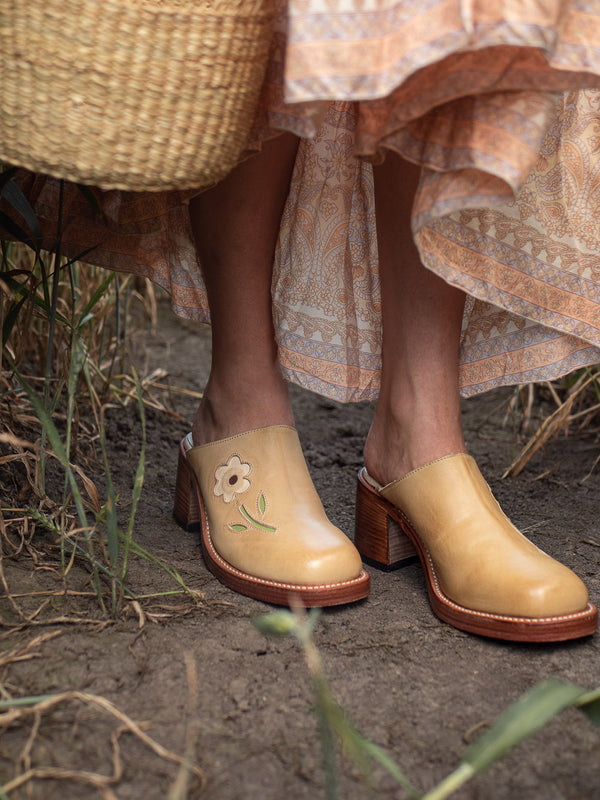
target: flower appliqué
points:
(231, 481)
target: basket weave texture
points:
(130, 94)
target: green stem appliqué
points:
(261, 505)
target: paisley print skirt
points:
(499, 102)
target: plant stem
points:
(451, 783)
(52, 325)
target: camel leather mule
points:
(264, 532)
(483, 576)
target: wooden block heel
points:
(185, 509)
(377, 536)
(482, 575)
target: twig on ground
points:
(99, 624)
(22, 652)
(179, 789)
(19, 709)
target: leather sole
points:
(189, 511)
(385, 536)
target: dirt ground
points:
(417, 687)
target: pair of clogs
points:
(264, 533)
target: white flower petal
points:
(230, 479)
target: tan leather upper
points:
(481, 560)
(265, 517)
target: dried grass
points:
(19, 710)
(85, 317)
(577, 408)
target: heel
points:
(377, 536)
(186, 509)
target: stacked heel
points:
(186, 509)
(378, 537)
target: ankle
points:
(396, 446)
(224, 413)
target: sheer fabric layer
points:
(500, 104)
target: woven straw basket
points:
(130, 94)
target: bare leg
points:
(236, 226)
(480, 562)
(417, 418)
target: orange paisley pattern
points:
(500, 104)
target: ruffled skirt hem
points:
(490, 100)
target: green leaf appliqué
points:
(262, 504)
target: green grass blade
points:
(139, 475)
(55, 442)
(6, 174)
(451, 783)
(51, 328)
(362, 751)
(589, 703)
(78, 357)
(276, 623)
(100, 570)
(112, 528)
(92, 200)
(13, 195)
(44, 283)
(79, 257)
(388, 763)
(329, 760)
(326, 710)
(334, 722)
(16, 231)
(20, 702)
(94, 299)
(44, 520)
(520, 720)
(10, 319)
(44, 305)
(147, 556)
